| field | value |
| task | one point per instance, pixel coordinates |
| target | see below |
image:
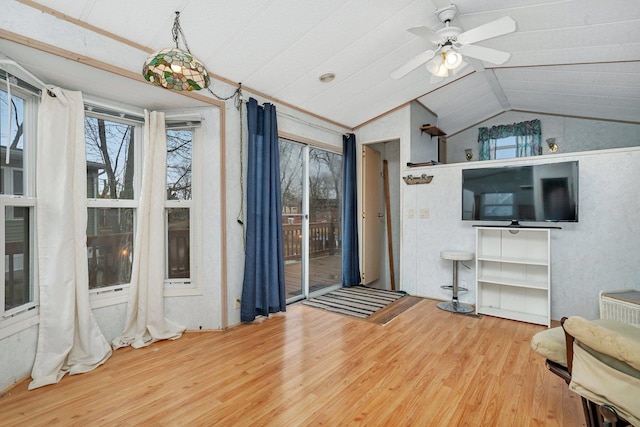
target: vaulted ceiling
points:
(571, 57)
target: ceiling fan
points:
(451, 44)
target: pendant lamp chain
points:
(175, 69)
(177, 31)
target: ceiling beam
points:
(490, 76)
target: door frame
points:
(395, 186)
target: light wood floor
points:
(426, 367)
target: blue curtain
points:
(350, 258)
(263, 290)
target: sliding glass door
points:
(311, 183)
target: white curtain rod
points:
(43, 86)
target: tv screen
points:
(541, 192)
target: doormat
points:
(356, 301)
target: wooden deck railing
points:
(324, 239)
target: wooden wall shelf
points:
(432, 130)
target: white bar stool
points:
(455, 306)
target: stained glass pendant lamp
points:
(175, 69)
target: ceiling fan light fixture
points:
(453, 44)
(433, 64)
(442, 71)
(437, 66)
(452, 60)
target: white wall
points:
(572, 134)
(597, 253)
(391, 127)
(424, 147)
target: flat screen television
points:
(538, 193)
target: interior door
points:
(372, 215)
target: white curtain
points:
(69, 340)
(145, 321)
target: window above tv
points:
(506, 148)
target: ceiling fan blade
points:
(425, 33)
(412, 64)
(504, 25)
(485, 54)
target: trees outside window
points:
(17, 197)
(111, 172)
(178, 205)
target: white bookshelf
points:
(513, 273)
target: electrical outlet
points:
(411, 213)
(424, 213)
(237, 303)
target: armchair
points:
(600, 363)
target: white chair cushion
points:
(550, 344)
(623, 344)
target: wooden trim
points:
(83, 24)
(63, 53)
(149, 50)
(384, 114)
(426, 108)
(309, 141)
(224, 305)
(628, 122)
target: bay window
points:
(179, 203)
(111, 201)
(18, 114)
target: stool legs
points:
(455, 306)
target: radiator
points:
(623, 306)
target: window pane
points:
(506, 148)
(325, 201)
(179, 149)
(110, 160)
(17, 287)
(109, 246)
(179, 266)
(17, 182)
(15, 142)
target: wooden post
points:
(385, 172)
